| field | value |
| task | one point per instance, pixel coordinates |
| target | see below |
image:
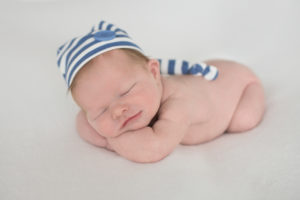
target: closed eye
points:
(103, 111)
(128, 90)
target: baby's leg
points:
(88, 133)
(249, 111)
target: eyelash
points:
(125, 92)
(103, 111)
(128, 90)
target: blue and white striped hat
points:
(103, 37)
(180, 67)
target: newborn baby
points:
(127, 106)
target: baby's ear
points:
(154, 68)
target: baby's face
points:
(117, 93)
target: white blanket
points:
(41, 155)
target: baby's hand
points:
(151, 144)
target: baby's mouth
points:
(131, 119)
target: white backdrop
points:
(42, 157)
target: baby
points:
(127, 106)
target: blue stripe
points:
(193, 70)
(118, 29)
(216, 76)
(206, 70)
(84, 48)
(101, 24)
(92, 30)
(199, 68)
(171, 67)
(94, 51)
(119, 36)
(59, 60)
(82, 40)
(185, 67)
(109, 27)
(80, 51)
(159, 60)
(60, 48)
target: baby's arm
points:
(88, 133)
(152, 144)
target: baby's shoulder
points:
(175, 95)
(172, 88)
(181, 86)
(185, 95)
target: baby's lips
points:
(131, 118)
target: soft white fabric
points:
(42, 157)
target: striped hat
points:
(103, 37)
(180, 67)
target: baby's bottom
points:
(247, 111)
(250, 109)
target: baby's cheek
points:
(96, 125)
(151, 104)
(104, 127)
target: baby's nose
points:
(118, 111)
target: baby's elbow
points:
(151, 155)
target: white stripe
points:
(212, 73)
(164, 66)
(95, 27)
(178, 66)
(62, 65)
(63, 49)
(203, 65)
(104, 26)
(121, 33)
(82, 54)
(63, 59)
(88, 41)
(113, 28)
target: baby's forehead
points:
(107, 74)
(114, 65)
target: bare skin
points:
(191, 110)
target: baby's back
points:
(212, 102)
